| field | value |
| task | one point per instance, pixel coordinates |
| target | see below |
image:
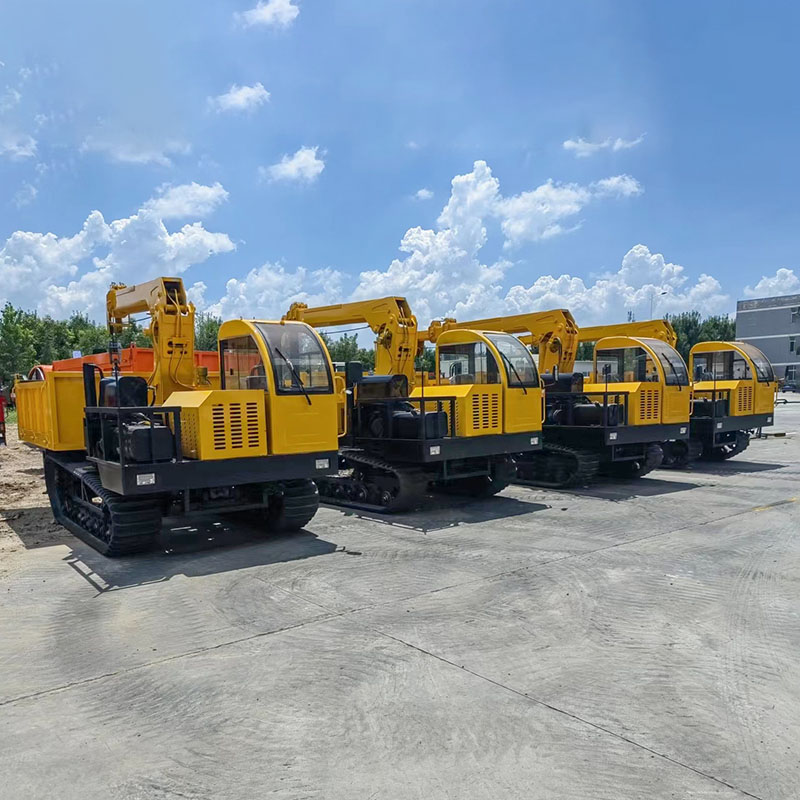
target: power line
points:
(347, 330)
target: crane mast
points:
(171, 329)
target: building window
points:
(792, 344)
(791, 373)
(796, 314)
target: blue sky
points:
(680, 178)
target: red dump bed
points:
(133, 359)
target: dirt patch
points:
(25, 517)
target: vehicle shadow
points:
(628, 490)
(205, 546)
(433, 515)
(733, 467)
(35, 527)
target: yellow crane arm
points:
(554, 332)
(171, 329)
(389, 318)
(649, 329)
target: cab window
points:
(467, 363)
(299, 362)
(724, 365)
(241, 364)
(520, 366)
(626, 365)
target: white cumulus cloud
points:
(125, 151)
(441, 271)
(784, 281)
(61, 274)
(240, 98)
(187, 200)
(16, 146)
(266, 292)
(304, 166)
(273, 13)
(583, 148)
(423, 194)
(25, 195)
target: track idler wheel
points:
(638, 468)
(680, 454)
(730, 449)
(294, 507)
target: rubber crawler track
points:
(375, 484)
(557, 466)
(116, 526)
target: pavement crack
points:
(569, 714)
(156, 662)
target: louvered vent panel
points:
(744, 399)
(485, 412)
(253, 433)
(218, 426)
(650, 404)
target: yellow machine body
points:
(250, 358)
(221, 423)
(484, 408)
(656, 395)
(265, 413)
(740, 370)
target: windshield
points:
(519, 364)
(764, 369)
(675, 372)
(625, 365)
(467, 363)
(298, 358)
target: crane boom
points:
(171, 329)
(554, 332)
(649, 329)
(389, 318)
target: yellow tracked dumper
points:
(122, 450)
(404, 436)
(733, 392)
(612, 425)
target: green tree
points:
(346, 348)
(687, 327)
(585, 351)
(206, 331)
(426, 361)
(691, 328)
(17, 343)
(717, 329)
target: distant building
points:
(772, 324)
